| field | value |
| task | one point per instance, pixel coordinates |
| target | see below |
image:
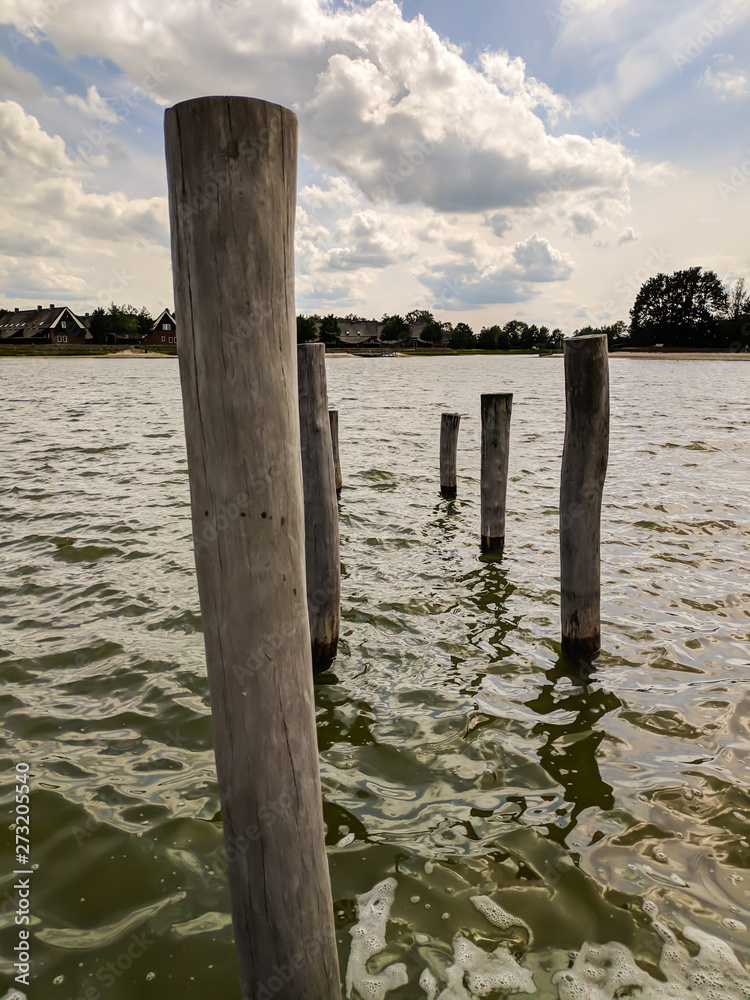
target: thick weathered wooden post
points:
(448, 450)
(333, 416)
(321, 510)
(231, 165)
(584, 468)
(496, 411)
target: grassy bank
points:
(80, 351)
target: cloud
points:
(499, 224)
(510, 76)
(727, 84)
(387, 103)
(509, 275)
(628, 235)
(358, 238)
(57, 228)
(647, 49)
(15, 82)
(93, 106)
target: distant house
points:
(364, 333)
(164, 332)
(56, 325)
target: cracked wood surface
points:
(232, 182)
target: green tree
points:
(99, 325)
(462, 338)
(515, 329)
(415, 317)
(432, 332)
(123, 322)
(487, 340)
(734, 330)
(307, 329)
(329, 329)
(394, 328)
(679, 310)
(739, 301)
(502, 341)
(144, 323)
(616, 333)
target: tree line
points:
(689, 308)
(515, 335)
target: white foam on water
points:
(499, 917)
(345, 841)
(604, 972)
(368, 939)
(14, 994)
(484, 972)
(428, 984)
(599, 972)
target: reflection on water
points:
(462, 753)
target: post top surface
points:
(586, 336)
(497, 395)
(219, 99)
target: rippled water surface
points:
(454, 745)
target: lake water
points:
(453, 745)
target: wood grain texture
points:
(449, 425)
(496, 412)
(231, 166)
(333, 416)
(321, 509)
(584, 469)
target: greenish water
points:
(450, 734)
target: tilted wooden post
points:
(448, 451)
(584, 468)
(333, 416)
(321, 510)
(231, 175)
(496, 411)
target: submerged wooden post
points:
(231, 166)
(321, 510)
(584, 468)
(333, 416)
(448, 451)
(496, 411)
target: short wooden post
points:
(333, 416)
(496, 411)
(448, 451)
(321, 510)
(584, 468)
(231, 166)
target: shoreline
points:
(677, 355)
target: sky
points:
(487, 160)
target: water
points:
(454, 746)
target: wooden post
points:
(231, 165)
(584, 468)
(333, 416)
(321, 510)
(496, 411)
(448, 450)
